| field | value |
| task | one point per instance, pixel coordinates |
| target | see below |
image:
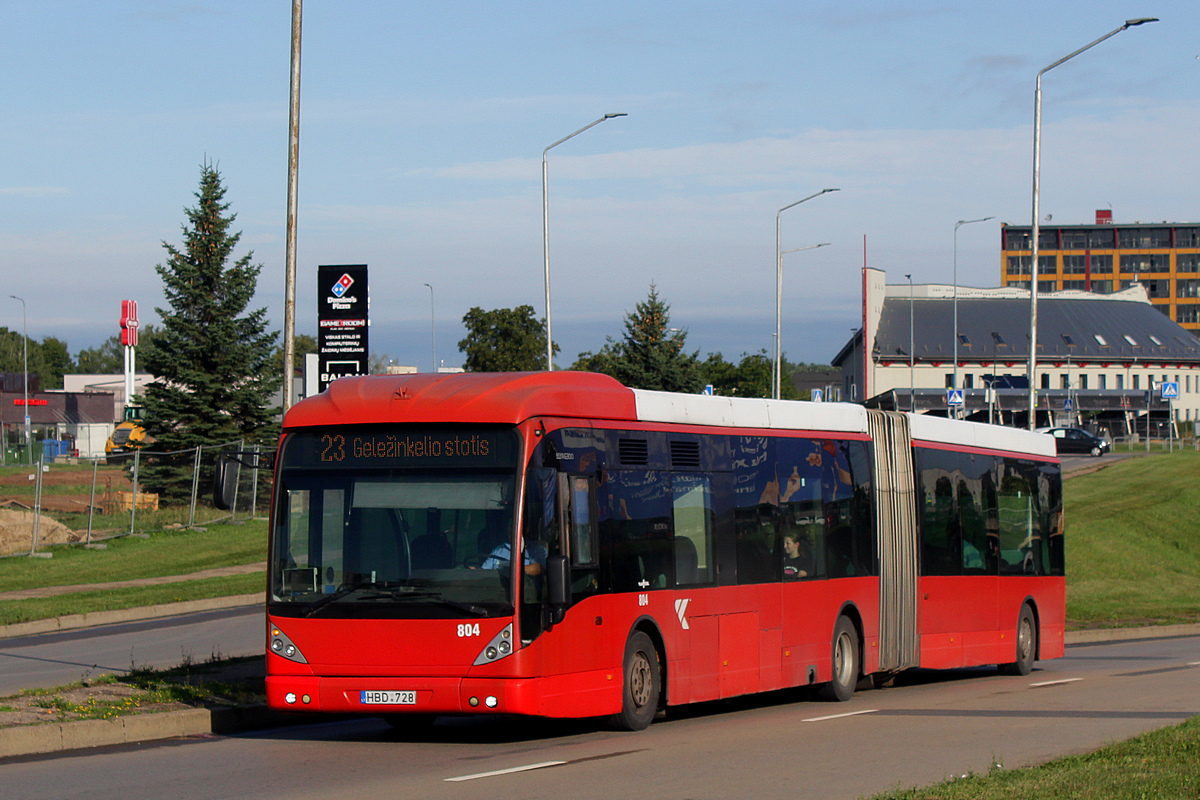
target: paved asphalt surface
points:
(930, 726)
(53, 659)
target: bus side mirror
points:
(558, 586)
(224, 482)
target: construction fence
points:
(116, 502)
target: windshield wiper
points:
(435, 596)
(317, 605)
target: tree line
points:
(650, 354)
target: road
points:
(928, 727)
(54, 659)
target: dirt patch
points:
(16, 531)
(58, 476)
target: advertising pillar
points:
(342, 323)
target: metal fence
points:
(144, 511)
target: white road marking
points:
(840, 716)
(508, 771)
(1055, 683)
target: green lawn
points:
(1133, 542)
(1163, 765)
(13, 611)
(165, 553)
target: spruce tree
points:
(213, 383)
(650, 355)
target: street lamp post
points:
(958, 225)
(432, 328)
(1036, 231)
(546, 232)
(25, 380)
(912, 384)
(777, 369)
(776, 381)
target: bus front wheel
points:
(642, 685)
(1027, 637)
(845, 662)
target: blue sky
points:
(422, 127)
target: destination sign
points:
(355, 446)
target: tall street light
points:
(25, 357)
(1037, 189)
(958, 225)
(777, 372)
(546, 231)
(779, 286)
(912, 385)
(432, 328)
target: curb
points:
(72, 621)
(1098, 635)
(29, 740)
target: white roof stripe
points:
(941, 430)
(749, 412)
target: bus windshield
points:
(364, 530)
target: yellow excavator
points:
(129, 433)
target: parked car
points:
(1073, 441)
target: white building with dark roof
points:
(1104, 355)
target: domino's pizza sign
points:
(342, 323)
(342, 286)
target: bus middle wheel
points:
(845, 662)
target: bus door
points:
(561, 512)
(895, 512)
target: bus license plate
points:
(403, 698)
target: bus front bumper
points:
(577, 695)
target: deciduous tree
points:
(504, 340)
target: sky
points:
(422, 127)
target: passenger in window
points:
(797, 557)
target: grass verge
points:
(214, 683)
(1160, 764)
(174, 552)
(1133, 542)
(13, 611)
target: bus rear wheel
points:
(1027, 641)
(642, 676)
(845, 662)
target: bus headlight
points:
(283, 647)
(499, 647)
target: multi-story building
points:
(1104, 358)
(1107, 257)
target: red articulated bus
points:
(557, 544)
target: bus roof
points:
(513, 397)
(469, 397)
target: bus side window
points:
(581, 532)
(635, 529)
(578, 515)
